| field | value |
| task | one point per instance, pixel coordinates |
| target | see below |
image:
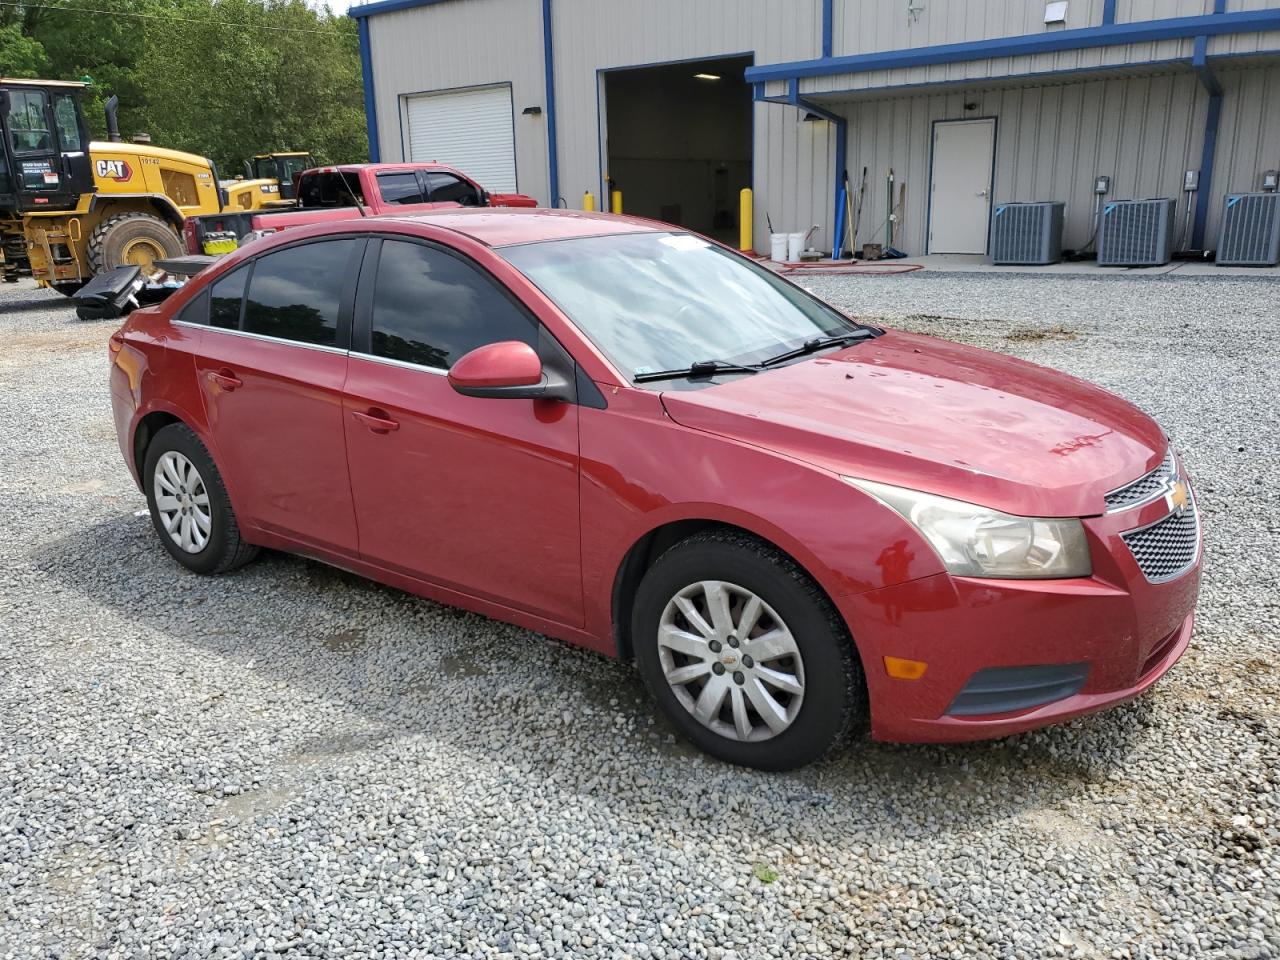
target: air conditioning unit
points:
(1027, 233)
(1136, 233)
(1250, 230)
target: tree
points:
(222, 78)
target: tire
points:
(214, 544)
(130, 238)
(824, 666)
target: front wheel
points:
(189, 506)
(745, 654)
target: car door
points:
(478, 495)
(271, 368)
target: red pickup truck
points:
(342, 192)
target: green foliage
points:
(764, 873)
(222, 78)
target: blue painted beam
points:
(1250, 21)
(549, 73)
(828, 26)
(360, 11)
(370, 104)
(1109, 11)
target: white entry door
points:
(467, 129)
(960, 194)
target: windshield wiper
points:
(819, 343)
(703, 368)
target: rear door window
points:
(447, 187)
(430, 307)
(296, 293)
(399, 187)
(225, 299)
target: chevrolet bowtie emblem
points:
(1179, 497)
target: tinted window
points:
(197, 311)
(331, 190)
(64, 115)
(430, 308)
(224, 299)
(28, 129)
(399, 187)
(445, 186)
(294, 294)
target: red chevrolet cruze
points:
(625, 436)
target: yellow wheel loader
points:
(73, 208)
(267, 182)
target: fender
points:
(160, 203)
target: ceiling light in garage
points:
(706, 76)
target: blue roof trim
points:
(1250, 21)
(387, 6)
(548, 64)
(370, 104)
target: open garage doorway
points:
(679, 142)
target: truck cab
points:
(44, 158)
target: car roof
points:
(502, 227)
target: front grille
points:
(1167, 547)
(1145, 488)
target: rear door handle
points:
(376, 420)
(225, 379)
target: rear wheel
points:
(131, 238)
(189, 506)
(744, 653)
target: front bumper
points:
(1117, 627)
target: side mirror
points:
(508, 370)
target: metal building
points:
(678, 104)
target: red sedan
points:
(625, 436)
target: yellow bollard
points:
(615, 201)
(588, 200)
(744, 219)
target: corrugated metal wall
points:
(1050, 143)
(866, 26)
(464, 44)
(792, 162)
(1248, 136)
(1053, 139)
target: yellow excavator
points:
(72, 209)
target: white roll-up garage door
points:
(468, 129)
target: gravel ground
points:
(293, 762)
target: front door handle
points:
(376, 420)
(225, 379)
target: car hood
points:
(938, 416)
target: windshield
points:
(288, 166)
(663, 301)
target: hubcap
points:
(182, 502)
(142, 252)
(731, 661)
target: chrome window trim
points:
(405, 364)
(324, 348)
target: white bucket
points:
(778, 247)
(795, 243)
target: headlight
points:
(975, 541)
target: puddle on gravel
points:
(459, 665)
(344, 641)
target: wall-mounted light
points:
(531, 111)
(813, 117)
(706, 76)
(971, 105)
